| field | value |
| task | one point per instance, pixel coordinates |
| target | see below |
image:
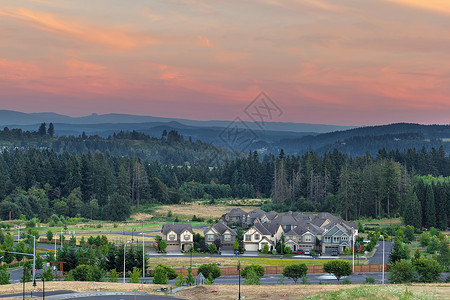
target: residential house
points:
(237, 216)
(222, 233)
(178, 236)
(303, 236)
(261, 234)
(338, 237)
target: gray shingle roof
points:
(177, 228)
(237, 212)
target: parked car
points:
(300, 251)
(334, 253)
(307, 252)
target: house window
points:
(227, 237)
(344, 238)
(307, 238)
(210, 237)
(171, 237)
(257, 237)
(327, 239)
(248, 237)
(335, 239)
(187, 237)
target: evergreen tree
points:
(413, 212)
(51, 130)
(430, 210)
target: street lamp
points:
(143, 255)
(34, 257)
(124, 247)
(239, 270)
(353, 241)
(382, 280)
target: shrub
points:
(346, 281)
(160, 276)
(402, 272)
(113, 276)
(212, 248)
(212, 269)
(370, 280)
(180, 281)
(259, 270)
(295, 271)
(169, 271)
(209, 280)
(252, 277)
(338, 268)
(428, 270)
(135, 275)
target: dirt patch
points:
(225, 292)
(142, 217)
(187, 211)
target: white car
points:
(307, 252)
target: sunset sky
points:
(348, 62)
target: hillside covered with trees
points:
(40, 181)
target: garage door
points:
(328, 250)
(251, 247)
(172, 247)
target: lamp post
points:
(34, 258)
(143, 255)
(124, 254)
(382, 278)
(353, 241)
(43, 288)
(239, 270)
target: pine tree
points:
(430, 210)
(51, 130)
(413, 212)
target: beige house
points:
(178, 236)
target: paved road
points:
(377, 258)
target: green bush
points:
(169, 271)
(160, 275)
(259, 270)
(252, 277)
(428, 270)
(346, 281)
(295, 271)
(370, 280)
(402, 272)
(212, 269)
(338, 268)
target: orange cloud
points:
(434, 5)
(88, 33)
(204, 42)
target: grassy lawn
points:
(374, 222)
(226, 292)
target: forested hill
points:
(170, 148)
(357, 141)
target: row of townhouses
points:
(323, 232)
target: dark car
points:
(300, 251)
(334, 253)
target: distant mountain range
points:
(293, 138)
(8, 118)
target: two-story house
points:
(338, 237)
(261, 234)
(221, 232)
(238, 216)
(304, 236)
(178, 236)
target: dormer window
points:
(171, 237)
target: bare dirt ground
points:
(228, 292)
(198, 209)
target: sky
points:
(343, 62)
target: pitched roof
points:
(257, 213)
(177, 228)
(237, 212)
(271, 215)
(221, 228)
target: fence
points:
(279, 269)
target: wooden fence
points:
(279, 269)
